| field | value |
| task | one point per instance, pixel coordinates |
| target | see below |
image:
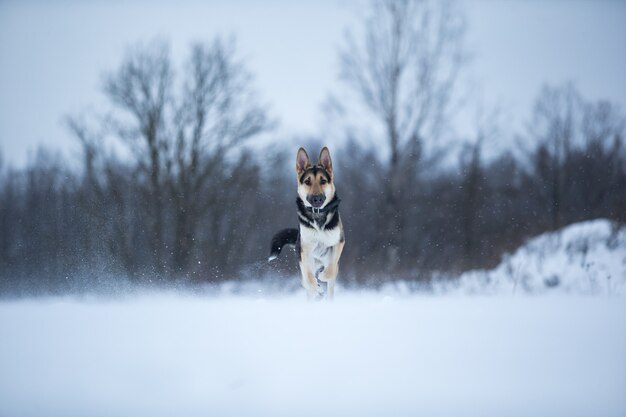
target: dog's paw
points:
(315, 293)
(320, 290)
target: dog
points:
(320, 238)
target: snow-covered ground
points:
(583, 258)
(543, 335)
(366, 354)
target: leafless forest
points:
(183, 197)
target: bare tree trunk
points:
(555, 114)
(470, 204)
(156, 205)
(404, 72)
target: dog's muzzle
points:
(316, 200)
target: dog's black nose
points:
(316, 200)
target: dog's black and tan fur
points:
(320, 239)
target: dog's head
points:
(315, 182)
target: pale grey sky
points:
(53, 55)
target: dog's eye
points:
(307, 181)
(323, 181)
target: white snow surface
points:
(366, 354)
(583, 258)
(251, 349)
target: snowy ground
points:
(367, 354)
(543, 335)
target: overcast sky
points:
(53, 55)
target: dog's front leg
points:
(330, 272)
(330, 289)
(309, 282)
(309, 278)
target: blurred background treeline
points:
(177, 181)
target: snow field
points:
(366, 354)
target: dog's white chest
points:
(320, 244)
(314, 237)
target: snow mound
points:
(583, 258)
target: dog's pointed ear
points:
(325, 160)
(302, 161)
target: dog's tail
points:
(280, 239)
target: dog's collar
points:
(330, 206)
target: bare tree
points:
(8, 197)
(216, 114)
(578, 158)
(474, 182)
(182, 141)
(601, 166)
(404, 71)
(554, 126)
(142, 89)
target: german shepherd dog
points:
(319, 240)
